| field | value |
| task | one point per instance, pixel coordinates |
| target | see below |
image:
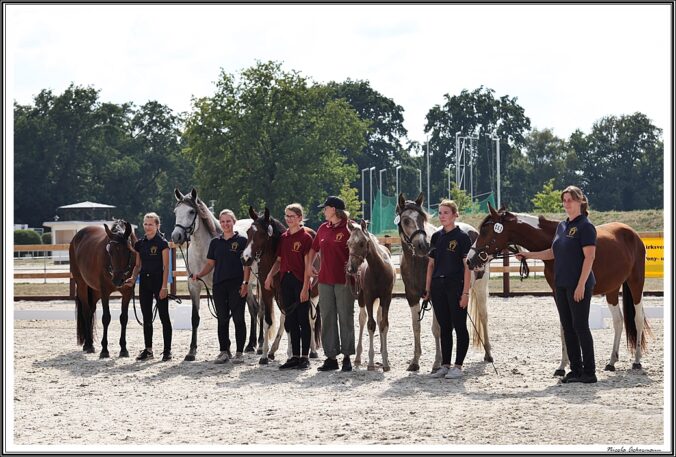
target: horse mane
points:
(382, 251)
(205, 215)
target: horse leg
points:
(195, 290)
(479, 300)
(313, 331)
(252, 305)
(261, 329)
(124, 318)
(384, 323)
(561, 371)
(105, 320)
(268, 327)
(639, 319)
(613, 300)
(362, 323)
(436, 332)
(371, 323)
(414, 365)
(278, 337)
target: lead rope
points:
(210, 301)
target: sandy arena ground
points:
(65, 397)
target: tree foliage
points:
(548, 200)
(27, 237)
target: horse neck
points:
(535, 239)
(374, 257)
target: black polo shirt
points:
(571, 237)
(449, 250)
(227, 255)
(151, 253)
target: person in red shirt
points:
(292, 250)
(336, 302)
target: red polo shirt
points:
(292, 249)
(331, 242)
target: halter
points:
(130, 263)
(190, 229)
(408, 240)
(482, 253)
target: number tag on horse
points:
(397, 219)
(269, 230)
(497, 228)
(108, 248)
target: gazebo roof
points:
(86, 204)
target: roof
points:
(86, 204)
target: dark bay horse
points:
(263, 237)
(101, 260)
(415, 233)
(196, 227)
(619, 262)
(371, 264)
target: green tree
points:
(548, 200)
(268, 138)
(461, 198)
(350, 196)
(24, 237)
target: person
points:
(230, 284)
(573, 251)
(292, 251)
(152, 264)
(447, 284)
(336, 302)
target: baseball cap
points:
(333, 201)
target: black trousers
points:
(574, 318)
(151, 284)
(446, 293)
(228, 303)
(297, 321)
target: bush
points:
(27, 237)
(47, 238)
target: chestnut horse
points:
(416, 233)
(619, 262)
(101, 260)
(370, 262)
(262, 239)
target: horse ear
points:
(364, 225)
(266, 214)
(252, 213)
(492, 210)
(110, 234)
(193, 194)
(421, 198)
(402, 201)
(127, 229)
(178, 194)
(349, 227)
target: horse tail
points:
(630, 320)
(82, 308)
(478, 299)
(80, 320)
(473, 310)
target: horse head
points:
(494, 237)
(263, 229)
(120, 252)
(358, 246)
(187, 213)
(411, 220)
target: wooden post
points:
(172, 253)
(505, 274)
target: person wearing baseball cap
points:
(336, 302)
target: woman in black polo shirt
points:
(447, 283)
(573, 251)
(152, 261)
(229, 285)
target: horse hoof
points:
(259, 352)
(189, 358)
(435, 369)
(271, 356)
(104, 355)
(124, 353)
(560, 373)
(413, 367)
(249, 349)
(636, 366)
(89, 349)
(488, 358)
(314, 355)
(263, 361)
(372, 368)
(386, 368)
(357, 362)
(609, 368)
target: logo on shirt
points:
(572, 232)
(153, 250)
(234, 246)
(296, 246)
(452, 245)
(339, 236)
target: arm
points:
(165, 273)
(428, 279)
(273, 271)
(135, 271)
(547, 254)
(589, 255)
(244, 288)
(464, 298)
(305, 291)
(205, 271)
(309, 260)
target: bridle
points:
(408, 240)
(484, 251)
(131, 262)
(190, 229)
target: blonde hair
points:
(229, 213)
(296, 208)
(449, 204)
(342, 214)
(577, 195)
(153, 216)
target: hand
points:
(194, 277)
(243, 290)
(130, 281)
(578, 295)
(268, 283)
(304, 295)
(163, 293)
(520, 256)
(464, 301)
(315, 272)
(425, 295)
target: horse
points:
(262, 238)
(619, 262)
(101, 260)
(415, 233)
(197, 226)
(372, 265)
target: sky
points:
(568, 65)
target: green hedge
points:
(47, 238)
(27, 237)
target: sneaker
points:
(238, 358)
(303, 363)
(145, 355)
(571, 376)
(291, 363)
(582, 377)
(454, 373)
(166, 355)
(329, 364)
(441, 372)
(222, 357)
(347, 365)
